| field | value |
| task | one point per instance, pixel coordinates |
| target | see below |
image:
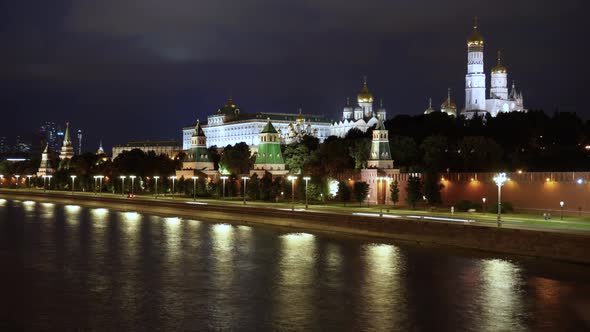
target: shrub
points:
(463, 205)
(506, 207)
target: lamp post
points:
(17, 176)
(95, 181)
(561, 205)
(483, 210)
(306, 178)
(29, 178)
(368, 199)
(173, 178)
(49, 177)
(195, 178)
(500, 179)
(156, 178)
(223, 178)
(292, 178)
(132, 177)
(73, 177)
(245, 178)
(99, 178)
(44, 183)
(122, 177)
(1, 179)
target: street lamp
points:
(306, 178)
(484, 205)
(122, 177)
(173, 178)
(156, 178)
(1, 178)
(132, 177)
(17, 176)
(223, 178)
(73, 177)
(100, 177)
(29, 178)
(195, 178)
(245, 178)
(561, 205)
(49, 177)
(500, 179)
(44, 183)
(292, 178)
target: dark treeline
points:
(530, 141)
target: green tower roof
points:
(198, 130)
(269, 128)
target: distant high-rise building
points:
(79, 136)
(49, 132)
(4, 148)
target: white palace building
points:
(230, 125)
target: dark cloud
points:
(139, 61)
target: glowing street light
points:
(17, 176)
(1, 179)
(292, 178)
(484, 204)
(306, 178)
(500, 179)
(73, 177)
(100, 177)
(245, 178)
(156, 190)
(223, 178)
(132, 177)
(561, 205)
(195, 178)
(173, 178)
(29, 178)
(49, 178)
(122, 177)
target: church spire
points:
(67, 141)
(100, 149)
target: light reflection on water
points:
(126, 270)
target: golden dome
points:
(365, 96)
(475, 38)
(449, 106)
(499, 68)
(429, 109)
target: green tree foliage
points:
(296, 157)
(413, 191)
(480, 153)
(360, 190)
(253, 187)
(435, 152)
(404, 151)
(394, 192)
(343, 192)
(432, 188)
(236, 159)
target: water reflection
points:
(2, 202)
(294, 294)
(381, 290)
(29, 206)
(501, 297)
(72, 213)
(99, 214)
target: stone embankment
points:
(546, 244)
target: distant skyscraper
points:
(4, 148)
(49, 132)
(79, 136)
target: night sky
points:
(127, 69)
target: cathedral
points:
(361, 117)
(500, 100)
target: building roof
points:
(269, 128)
(149, 143)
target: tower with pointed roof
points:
(269, 157)
(429, 109)
(475, 79)
(361, 117)
(45, 166)
(67, 150)
(198, 150)
(380, 155)
(100, 150)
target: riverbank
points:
(545, 244)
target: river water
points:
(70, 267)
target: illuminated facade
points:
(500, 101)
(45, 166)
(361, 117)
(230, 125)
(67, 149)
(168, 148)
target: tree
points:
(414, 191)
(253, 187)
(361, 190)
(432, 188)
(296, 156)
(235, 159)
(394, 190)
(404, 151)
(343, 192)
(435, 150)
